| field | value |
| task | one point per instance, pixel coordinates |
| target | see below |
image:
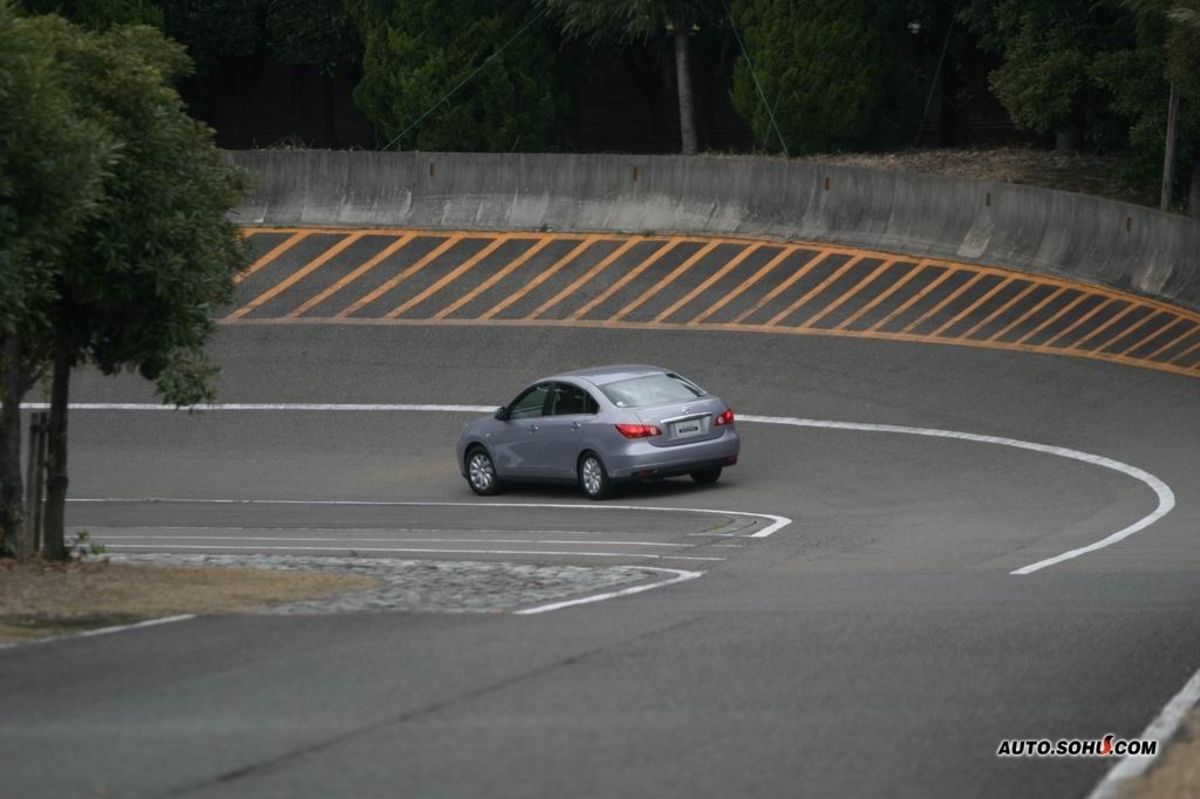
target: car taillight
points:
(638, 430)
(726, 417)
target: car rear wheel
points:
(481, 473)
(593, 477)
(707, 476)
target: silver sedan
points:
(599, 427)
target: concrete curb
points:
(1037, 230)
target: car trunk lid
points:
(683, 422)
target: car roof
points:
(600, 375)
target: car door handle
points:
(575, 425)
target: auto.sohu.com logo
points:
(1108, 746)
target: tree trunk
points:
(948, 123)
(1168, 180)
(1064, 140)
(56, 457)
(683, 79)
(331, 113)
(1072, 136)
(12, 517)
(1194, 191)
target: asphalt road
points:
(877, 646)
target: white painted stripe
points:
(291, 529)
(223, 547)
(105, 538)
(1166, 497)
(263, 406)
(777, 523)
(1161, 729)
(120, 628)
(679, 577)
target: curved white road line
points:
(680, 576)
(421, 550)
(1166, 497)
(776, 523)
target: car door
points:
(515, 440)
(558, 442)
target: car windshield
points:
(650, 390)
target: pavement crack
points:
(269, 764)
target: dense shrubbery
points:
(834, 74)
(435, 76)
(830, 71)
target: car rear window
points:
(650, 390)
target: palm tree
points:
(639, 19)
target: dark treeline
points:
(778, 76)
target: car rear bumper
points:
(644, 461)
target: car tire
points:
(593, 477)
(707, 476)
(481, 473)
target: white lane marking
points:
(106, 537)
(679, 577)
(223, 547)
(288, 528)
(1161, 729)
(1166, 497)
(120, 628)
(262, 406)
(777, 523)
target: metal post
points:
(28, 544)
(43, 447)
(1168, 181)
(35, 483)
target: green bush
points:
(417, 52)
(830, 71)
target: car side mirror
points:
(502, 413)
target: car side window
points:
(531, 403)
(571, 400)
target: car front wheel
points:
(481, 473)
(593, 478)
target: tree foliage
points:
(1166, 50)
(138, 285)
(100, 14)
(642, 21)
(135, 283)
(456, 74)
(220, 35)
(1049, 49)
(629, 19)
(827, 69)
(308, 32)
(312, 32)
(52, 163)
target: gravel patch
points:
(423, 586)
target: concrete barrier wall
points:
(1039, 230)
